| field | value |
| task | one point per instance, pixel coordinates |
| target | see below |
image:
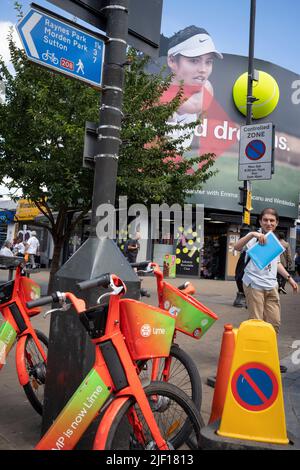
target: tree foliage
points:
(42, 128)
(42, 125)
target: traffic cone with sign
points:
(254, 408)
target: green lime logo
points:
(265, 90)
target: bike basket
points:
(29, 290)
(192, 317)
(94, 320)
(148, 330)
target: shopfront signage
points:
(26, 210)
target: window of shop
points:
(3, 233)
(164, 244)
(213, 253)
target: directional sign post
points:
(63, 46)
(256, 152)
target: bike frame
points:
(112, 380)
(17, 324)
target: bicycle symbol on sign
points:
(50, 56)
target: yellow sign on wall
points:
(26, 210)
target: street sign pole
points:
(106, 158)
(250, 99)
(71, 354)
(246, 189)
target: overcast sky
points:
(277, 25)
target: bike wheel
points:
(172, 410)
(183, 373)
(36, 369)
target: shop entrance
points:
(213, 256)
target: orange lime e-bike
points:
(159, 416)
(32, 345)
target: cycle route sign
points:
(256, 156)
(63, 46)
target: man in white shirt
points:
(32, 248)
(260, 286)
(19, 247)
(6, 249)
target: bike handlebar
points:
(102, 281)
(42, 301)
(183, 286)
(141, 265)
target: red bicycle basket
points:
(192, 317)
(148, 330)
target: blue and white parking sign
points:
(62, 46)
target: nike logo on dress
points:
(203, 40)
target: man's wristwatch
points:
(289, 277)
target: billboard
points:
(208, 93)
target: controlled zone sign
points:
(63, 46)
(256, 156)
(254, 386)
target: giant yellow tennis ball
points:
(266, 90)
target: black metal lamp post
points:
(71, 354)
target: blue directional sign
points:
(62, 46)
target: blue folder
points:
(262, 255)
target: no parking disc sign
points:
(255, 150)
(254, 386)
(256, 155)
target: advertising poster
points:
(188, 252)
(208, 77)
(169, 268)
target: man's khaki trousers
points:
(263, 305)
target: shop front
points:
(26, 215)
(7, 225)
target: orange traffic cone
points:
(223, 373)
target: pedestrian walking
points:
(261, 286)
(297, 263)
(132, 247)
(6, 249)
(19, 247)
(286, 261)
(240, 300)
(32, 248)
